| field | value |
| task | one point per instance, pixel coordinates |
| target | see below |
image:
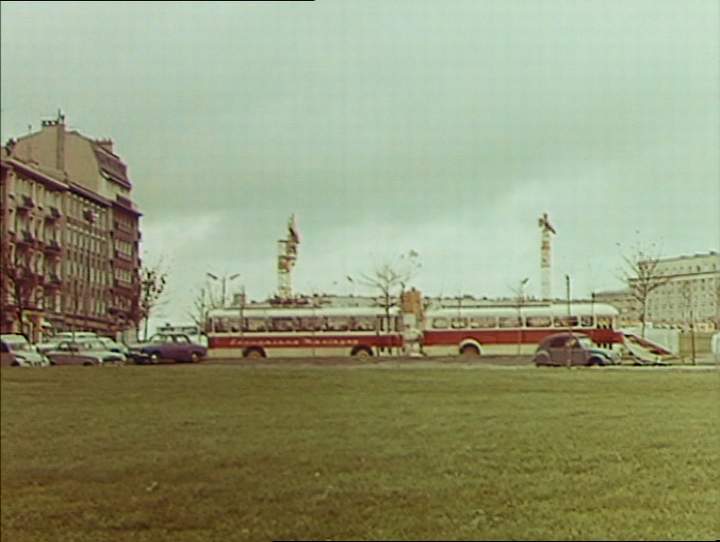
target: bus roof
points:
(555, 309)
(305, 312)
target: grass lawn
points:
(190, 453)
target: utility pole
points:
(242, 308)
(569, 313)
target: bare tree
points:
(152, 286)
(687, 297)
(643, 276)
(391, 280)
(19, 282)
(199, 309)
(208, 297)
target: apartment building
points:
(692, 293)
(70, 235)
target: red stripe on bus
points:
(511, 336)
(294, 341)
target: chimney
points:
(60, 147)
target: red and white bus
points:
(307, 332)
(504, 330)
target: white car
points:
(16, 351)
(53, 342)
(85, 352)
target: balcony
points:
(26, 238)
(25, 204)
(53, 214)
(123, 287)
(53, 247)
(53, 280)
(90, 215)
(122, 256)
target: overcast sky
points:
(447, 128)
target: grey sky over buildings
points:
(443, 127)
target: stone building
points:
(70, 235)
(691, 293)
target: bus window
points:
(363, 323)
(510, 321)
(387, 323)
(255, 324)
(483, 322)
(338, 323)
(439, 323)
(603, 322)
(538, 321)
(458, 323)
(586, 320)
(310, 323)
(566, 321)
(221, 325)
(281, 324)
(234, 324)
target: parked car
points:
(52, 342)
(16, 351)
(574, 349)
(168, 346)
(114, 346)
(84, 352)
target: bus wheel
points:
(470, 351)
(254, 354)
(362, 353)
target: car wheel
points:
(596, 362)
(154, 358)
(194, 357)
(542, 360)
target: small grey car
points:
(568, 348)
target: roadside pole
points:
(569, 312)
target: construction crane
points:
(287, 256)
(545, 257)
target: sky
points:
(446, 128)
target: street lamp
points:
(224, 280)
(569, 322)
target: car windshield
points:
(18, 346)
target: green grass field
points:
(191, 453)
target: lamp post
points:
(569, 322)
(223, 281)
(242, 308)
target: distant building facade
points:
(70, 235)
(624, 302)
(692, 293)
